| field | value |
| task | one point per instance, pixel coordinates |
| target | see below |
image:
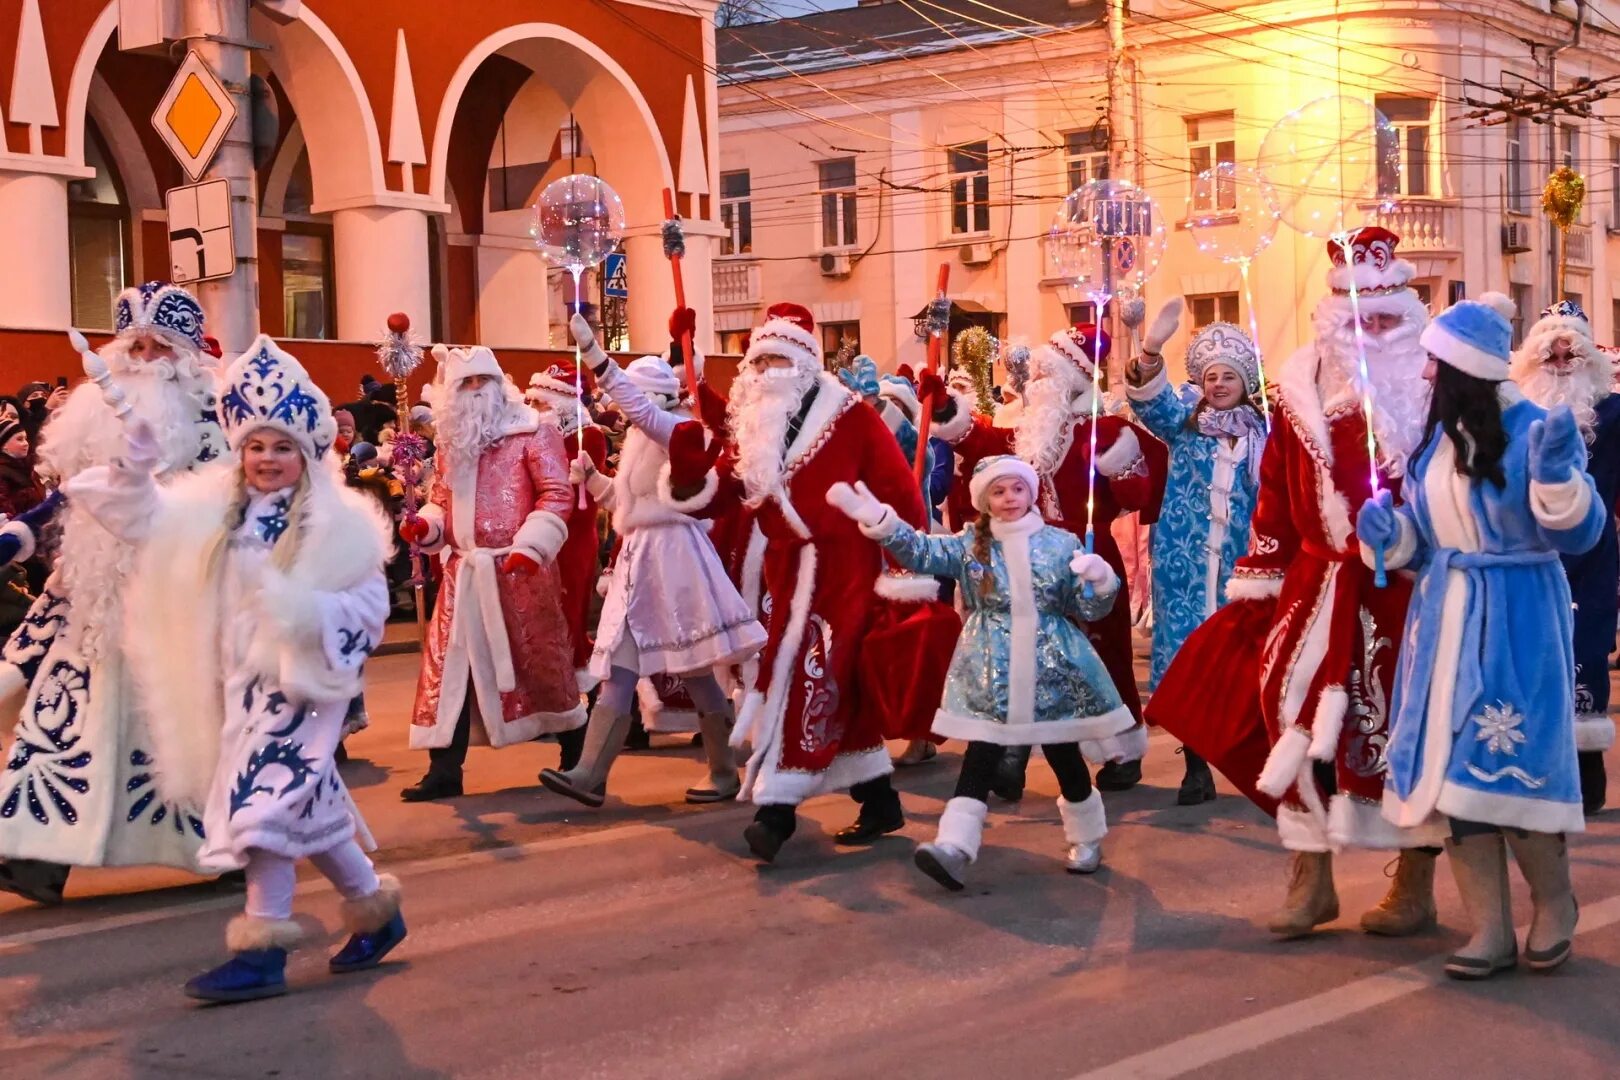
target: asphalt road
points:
(639, 941)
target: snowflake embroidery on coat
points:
(284, 753)
(1369, 705)
(46, 763)
(272, 524)
(31, 640)
(149, 804)
(1499, 729)
(820, 691)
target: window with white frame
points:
(970, 188)
(1518, 165)
(1211, 142)
(1406, 152)
(1520, 295)
(1085, 156)
(1212, 308)
(1569, 146)
(835, 183)
(840, 335)
(1614, 184)
(736, 214)
(1084, 314)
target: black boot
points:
(1198, 786)
(1594, 781)
(772, 826)
(1009, 783)
(572, 745)
(637, 738)
(435, 785)
(1119, 776)
(880, 814)
(31, 879)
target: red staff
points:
(674, 251)
(939, 322)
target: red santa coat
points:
(812, 723)
(1308, 644)
(1131, 470)
(501, 636)
(578, 561)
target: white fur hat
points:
(653, 375)
(784, 337)
(898, 390)
(456, 365)
(266, 387)
(999, 467)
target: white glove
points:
(585, 338)
(142, 453)
(1164, 326)
(581, 469)
(1093, 570)
(857, 503)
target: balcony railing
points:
(1579, 239)
(736, 284)
(1423, 225)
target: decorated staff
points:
(939, 322)
(675, 251)
(400, 355)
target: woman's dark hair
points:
(1469, 410)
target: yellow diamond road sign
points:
(194, 115)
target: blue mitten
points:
(1376, 525)
(1557, 451)
(20, 532)
(11, 542)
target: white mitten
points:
(585, 338)
(856, 503)
(1163, 327)
(142, 453)
(581, 469)
(1093, 570)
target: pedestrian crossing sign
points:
(616, 283)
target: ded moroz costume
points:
(270, 599)
(1482, 739)
(1559, 364)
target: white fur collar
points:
(1028, 525)
(831, 402)
(1296, 388)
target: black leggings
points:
(980, 761)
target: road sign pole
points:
(232, 304)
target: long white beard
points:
(762, 405)
(470, 420)
(1580, 389)
(1045, 425)
(1395, 364)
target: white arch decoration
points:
(528, 32)
(84, 70)
(124, 146)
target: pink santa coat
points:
(499, 635)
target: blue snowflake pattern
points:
(141, 786)
(46, 763)
(284, 753)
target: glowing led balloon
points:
(1331, 161)
(1108, 238)
(1232, 213)
(577, 221)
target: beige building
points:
(862, 148)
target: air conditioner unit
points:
(834, 265)
(976, 254)
(1515, 237)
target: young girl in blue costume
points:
(265, 575)
(1215, 444)
(1483, 711)
(1023, 673)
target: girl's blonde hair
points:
(981, 554)
(286, 547)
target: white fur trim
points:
(1310, 653)
(435, 540)
(1328, 724)
(783, 337)
(906, 588)
(509, 733)
(954, 429)
(1285, 763)
(1510, 811)
(847, 770)
(1129, 744)
(1098, 736)
(1150, 389)
(753, 567)
(12, 684)
(1563, 505)
(1299, 830)
(1592, 732)
(693, 503)
(660, 719)
(961, 826)
(1463, 355)
(543, 533)
(1251, 586)
(1084, 822)
(1394, 274)
(1357, 823)
(1021, 672)
(25, 537)
(371, 913)
(290, 603)
(832, 399)
(1123, 458)
(1399, 555)
(1001, 467)
(766, 712)
(250, 933)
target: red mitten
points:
(413, 530)
(682, 321)
(931, 388)
(712, 409)
(691, 456)
(519, 563)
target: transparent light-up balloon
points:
(1334, 163)
(577, 221)
(1108, 239)
(1232, 213)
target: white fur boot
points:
(1084, 826)
(956, 845)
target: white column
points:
(514, 298)
(35, 285)
(382, 267)
(652, 288)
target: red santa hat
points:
(789, 331)
(1000, 467)
(1082, 346)
(1373, 264)
(554, 382)
(905, 372)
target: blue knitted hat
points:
(1474, 336)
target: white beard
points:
(1395, 365)
(1045, 425)
(1580, 389)
(761, 406)
(467, 421)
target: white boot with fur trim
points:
(375, 926)
(258, 968)
(956, 845)
(1084, 826)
